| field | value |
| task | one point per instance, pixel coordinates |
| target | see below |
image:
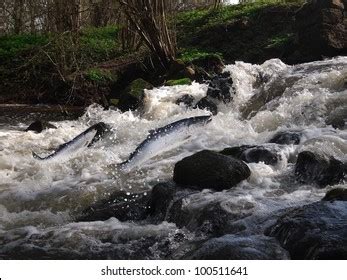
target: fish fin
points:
(36, 156)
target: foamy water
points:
(40, 200)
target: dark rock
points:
(313, 168)
(133, 207)
(186, 99)
(220, 87)
(207, 169)
(207, 103)
(253, 154)
(314, 231)
(231, 247)
(338, 118)
(321, 28)
(162, 198)
(336, 194)
(169, 203)
(38, 126)
(132, 97)
(286, 138)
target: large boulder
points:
(132, 97)
(231, 247)
(319, 169)
(208, 169)
(314, 231)
(255, 154)
(321, 26)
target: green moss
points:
(191, 54)
(137, 87)
(280, 40)
(100, 75)
(179, 82)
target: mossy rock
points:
(131, 98)
(179, 82)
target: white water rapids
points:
(40, 200)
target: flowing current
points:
(39, 201)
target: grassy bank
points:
(89, 66)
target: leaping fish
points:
(162, 139)
(85, 139)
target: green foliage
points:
(14, 45)
(280, 40)
(179, 82)
(101, 43)
(202, 18)
(238, 32)
(190, 54)
(100, 75)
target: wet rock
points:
(162, 198)
(132, 97)
(176, 204)
(38, 126)
(318, 169)
(314, 231)
(207, 103)
(336, 194)
(186, 99)
(338, 118)
(231, 247)
(207, 169)
(124, 207)
(220, 87)
(287, 138)
(253, 154)
(321, 28)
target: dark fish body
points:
(85, 139)
(163, 139)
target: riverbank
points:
(92, 67)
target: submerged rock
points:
(207, 169)
(132, 97)
(176, 204)
(336, 194)
(186, 99)
(253, 154)
(124, 207)
(231, 247)
(313, 168)
(38, 126)
(287, 138)
(338, 118)
(314, 231)
(207, 103)
(220, 87)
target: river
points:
(40, 202)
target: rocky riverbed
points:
(265, 179)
